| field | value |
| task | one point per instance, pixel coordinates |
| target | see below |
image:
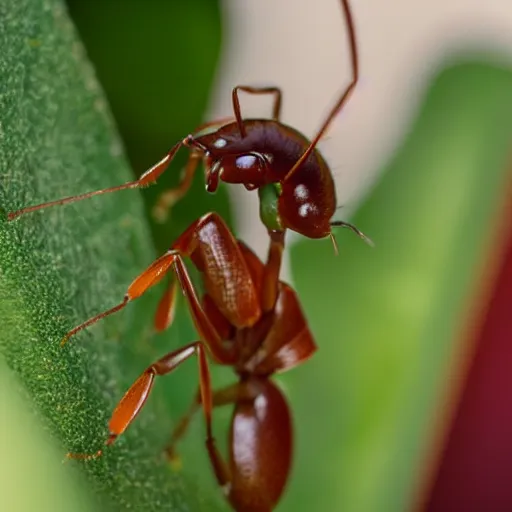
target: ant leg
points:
(201, 321)
(241, 391)
(220, 468)
(181, 428)
(235, 393)
(210, 239)
(186, 244)
(134, 399)
(164, 315)
(168, 198)
(272, 270)
(343, 98)
(276, 109)
(148, 178)
(151, 276)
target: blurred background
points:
(406, 405)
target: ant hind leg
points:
(134, 399)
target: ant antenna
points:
(360, 234)
(354, 60)
(334, 244)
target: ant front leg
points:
(151, 276)
(230, 284)
(134, 399)
(148, 178)
(170, 197)
(221, 241)
(276, 109)
(164, 315)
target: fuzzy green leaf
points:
(60, 266)
(386, 319)
(33, 477)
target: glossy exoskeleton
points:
(255, 334)
(294, 182)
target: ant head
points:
(228, 153)
(218, 139)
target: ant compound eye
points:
(246, 161)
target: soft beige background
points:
(301, 46)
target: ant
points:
(247, 318)
(238, 330)
(294, 182)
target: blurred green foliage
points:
(387, 319)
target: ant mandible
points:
(240, 331)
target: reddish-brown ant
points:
(240, 329)
(294, 182)
(247, 318)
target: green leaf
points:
(60, 266)
(33, 478)
(157, 84)
(386, 319)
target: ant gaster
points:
(238, 328)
